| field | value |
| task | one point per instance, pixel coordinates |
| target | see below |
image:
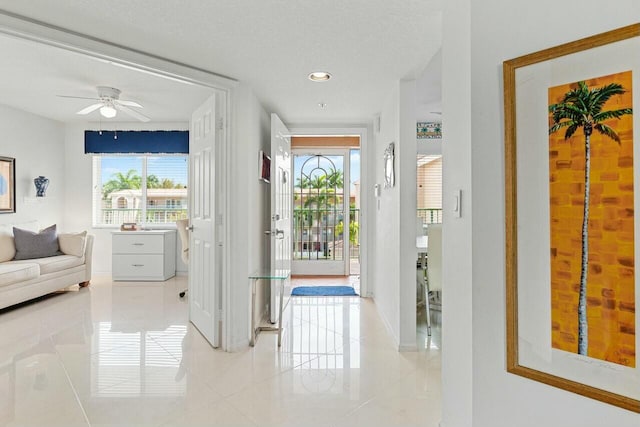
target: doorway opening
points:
(429, 233)
(326, 211)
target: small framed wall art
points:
(264, 167)
(428, 130)
(7, 185)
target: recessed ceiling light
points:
(322, 105)
(319, 76)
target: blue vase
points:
(41, 183)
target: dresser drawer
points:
(136, 267)
(138, 243)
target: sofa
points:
(25, 279)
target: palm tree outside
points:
(583, 108)
(120, 181)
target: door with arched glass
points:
(321, 220)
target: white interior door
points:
(281, 208)
(203, 265)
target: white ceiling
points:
(271, 45)
(32, 76)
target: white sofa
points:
(27, 279)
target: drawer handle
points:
(137, 265)
(138, 244)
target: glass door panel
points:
(321, 218)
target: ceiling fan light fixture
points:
(319, 76)
(108, 111)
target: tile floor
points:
(124, 354)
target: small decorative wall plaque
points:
(429, 130)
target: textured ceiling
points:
(32, 76)
(271, 45)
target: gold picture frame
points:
(546, 317)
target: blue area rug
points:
(323, 291)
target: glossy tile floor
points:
(124, 354)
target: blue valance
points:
(138, 142)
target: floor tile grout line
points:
(73, 388)
(292, 368)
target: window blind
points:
(429, 182)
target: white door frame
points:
(366, 197)
(35, 31)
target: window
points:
(145, 189)
(429, 177)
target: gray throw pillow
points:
(31, 245)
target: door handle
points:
(189, 228)
(279, 234)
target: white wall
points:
(250, 202)
(395, 251)
(498, 30)
(407, 182)
(37, 144)
(456, 232)
(78, 185)
(387, 269)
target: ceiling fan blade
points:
(90, 108)
(77, 97)
(132, 113)
(129, 103)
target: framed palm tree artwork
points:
(572, 216)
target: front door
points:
(280, 205)
(203, 251)
(321, 224)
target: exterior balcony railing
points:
(318, 233)
(430, 216)
(116, 216)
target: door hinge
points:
(220, 123)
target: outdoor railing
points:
(153, 215)
(430, 216)
(318, 233)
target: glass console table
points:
(266, 277)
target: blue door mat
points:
(323, 291)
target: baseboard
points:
(387, 325)
(239, 345)
(182, 273)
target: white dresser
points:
(148, 255)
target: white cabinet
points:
(148, 255)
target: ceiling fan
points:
(109, 103)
